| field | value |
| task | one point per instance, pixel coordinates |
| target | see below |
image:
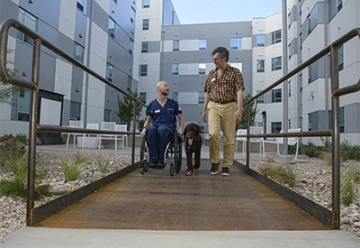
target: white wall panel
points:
(67, 19)
(189, 45)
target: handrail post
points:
(32, 133)
(133, 134)
(248, 136)
(335, 139)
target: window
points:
(175, 96)
(144, 47)
(115, 1)
(79, 52)
(341, 57)
(143, 70)
(109, 72)
(260, 40)
(259, 124)
(131, 46)
(20, 111)
(289, 88)
(276, 95)
(309, 24)
(342, 120)
(202, 68)
(107, 115)
(30, 22)
(310, 79)
(143, 97)
(300, 82)
(275, 127)
(301, 40)
(176, 45)
(111, 27)
(236, 44)
(202, 45)
(81, 5)
(276, 36)
(339, 5)
(132, 15)
(260, 65)
(75, 110)
(201, 97)
(146, 3)
(175, 69)
(310, 122)
(146, 23)
(260, 98)
(289, 124)
(276, 63)
(129, 83)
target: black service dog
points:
(192, 144)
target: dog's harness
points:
(189, 147)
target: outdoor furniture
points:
(123, 128)
(241, 139)
(90, 140)
(109, 126)
(75, 124)
(291, 141)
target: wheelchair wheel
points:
(177, 153)
(144, 160)
(172, 168)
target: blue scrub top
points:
(164, 116)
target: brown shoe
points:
(225, 171)
(214, 169)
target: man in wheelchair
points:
(160, 123)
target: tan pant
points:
(221, 115)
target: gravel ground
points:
(313, 180)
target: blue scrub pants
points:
(157, 140)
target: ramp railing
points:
(33, 86)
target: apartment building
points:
(98, 33)
(313, 25)
(138, 43)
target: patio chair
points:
(291, 141)
(75, 124)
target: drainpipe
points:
(285, 71)
(86, 91)
(326, 71)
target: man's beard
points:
(164, 93)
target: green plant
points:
(283, 174)
(244, 120)
(347, 191)
(126, 108)
(356, 176)
(102, 164)
(15, 187)
(71, 169)
(312, 151)
(347, 151)
(7, 90)
(270, 159)
(19, 137)
(80, 159)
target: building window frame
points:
(202, 68)
(260, 40)
(30, 21)
(132, 15)
(276, 63)
(175, 69)
(176, 45)
(261, 99)
(276, 36)
(146, 24)
(236, 43)
(146, 3)
(81, 5)
(131, 45)
(276, 127)
(144, 46)
(111, 28)
(107, 115)
(342, 119)
(79, 52)
(109, 72)
(143, 70)
(75, 111)
(260, 65)
(202, 45)
(341, 57)
(142, 96)
(339, 5)
(276, 95)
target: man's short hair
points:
(223, 52)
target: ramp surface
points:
(157, 201)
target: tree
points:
(8, 90)
(126, 108)
(243, 122)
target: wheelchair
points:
(173, 154)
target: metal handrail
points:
(335, 133)
(33, 86)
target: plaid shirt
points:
(224, 89)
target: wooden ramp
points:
(157, 201)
